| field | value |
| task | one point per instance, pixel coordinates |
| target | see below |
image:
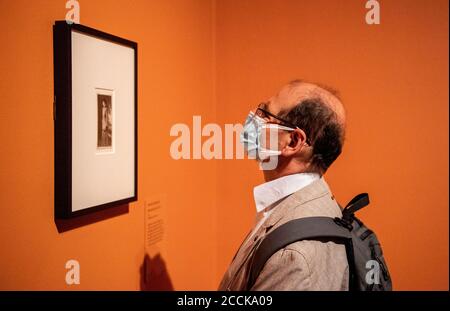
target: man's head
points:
(318, 116)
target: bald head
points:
(328, 96)
(298, 91)
(318, 111)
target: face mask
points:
(253, 137)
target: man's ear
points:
(295, 144)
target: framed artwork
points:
(95, 120)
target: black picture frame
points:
(62, 117)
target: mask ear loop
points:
(271, 126)
(284, 128)
(278, 126)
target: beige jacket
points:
(303, 265)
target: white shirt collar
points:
(270, 192)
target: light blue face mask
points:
(253, 137)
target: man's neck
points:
(288, 167)
(270, 175)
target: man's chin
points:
(265, 162)
(268, 163)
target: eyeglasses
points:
(262, 113)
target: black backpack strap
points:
(354, 205)
(309, 228)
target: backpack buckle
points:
(343, 223)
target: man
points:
(310, 121)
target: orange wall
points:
(175, 82)
(218, 59)
(393, 80)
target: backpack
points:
(367, 267)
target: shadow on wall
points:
(153, 271)
(154, 274)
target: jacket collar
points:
(267, 194)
